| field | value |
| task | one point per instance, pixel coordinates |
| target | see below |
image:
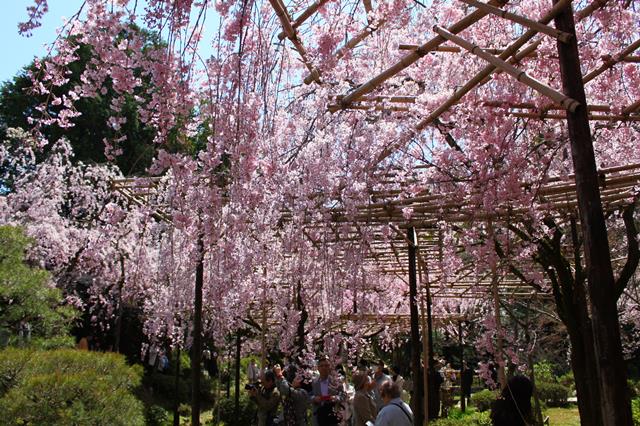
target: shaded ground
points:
(563, 416)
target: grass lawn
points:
(563, 416)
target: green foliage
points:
(471, 419)
(227, 415)
(26, 297)
(553, 394)
(634, 388)
(184, 410)
(164, 386)
(155, 415)
(482, 400)
(544, 372)
(17, 103)
(68, 387)
(635, 411)
(568, 381)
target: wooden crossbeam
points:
(290, 33)
(456, 49)
(559, 97)
(415, 55)
(611, 61)
(365, 107)
(366, 32)
(592, 117)
(479, 79)
(531, 24)
(632, 108)
(303, 17)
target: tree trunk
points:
(614, 395)
(418, 390)
(237, 381)
(176, 390)
(196, 348)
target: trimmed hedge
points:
(553, 394)
(68, 386)
(482, 400)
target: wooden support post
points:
(176, 390)
(463, 402)
(236, 406)
(424, 281)
(502, 378)
(615, 403)
(196, 347)
(418, 414)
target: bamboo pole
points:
(632, 108)
(290, 33)
(360, 107)
(531, 24)
(415, 55)
(592, 117)
(398, 99)
(349, 45)
(303, 17)
(525, 105)
(479, 79)
(496, 307)
(611, 61)
(567, 102)
(455, 49)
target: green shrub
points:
(635, 409)
(68, 387)
(473, 419)
(155, 415)
(543, 371)
(553, 394)
(482, 400)
(634, 388)
(164, 386)
(568, 381)
(227, 415)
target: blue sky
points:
(19, 50)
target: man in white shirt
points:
(395, 411)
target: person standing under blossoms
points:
(380, 377)
(253, 372)
(395, 412)
(364, 408)
(295, 395)
(267, 398)
(326, 394)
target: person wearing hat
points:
(364, 408)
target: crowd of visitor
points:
(322, 396)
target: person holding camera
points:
(295, 396)
(266, 397)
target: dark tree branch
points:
(633, 252)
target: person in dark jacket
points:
(513, 407)
(295, 398)
(267, 399)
